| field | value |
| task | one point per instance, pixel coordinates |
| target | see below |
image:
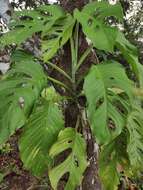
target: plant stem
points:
(73, 59)
(83, 57)
(74, 52)
(76, 41)
(59, 83)
(59, 70)
(77, 123)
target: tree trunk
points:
(91, 179)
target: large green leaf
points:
(75, 164)
(57, 36)
(106, 107)
(40, 133)
(18, 91)
(101, 10)
(135, 138)
(25, 23)
(92, 19)
(129, 51)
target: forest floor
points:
(12, 174)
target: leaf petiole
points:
(58, 83)
(83, 57)
(59, 70)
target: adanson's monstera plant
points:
(113, 97)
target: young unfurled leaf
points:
(92, 19)
(75, 164)
(18, 91)
(39, 135)
(50, 94)
(106, 108)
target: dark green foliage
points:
(113, 109)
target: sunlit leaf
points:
(75, 164)
(106, 108)
(92, 19)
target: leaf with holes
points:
(39, 135)
(92, 19)
(18, 91)
(129, 51)
(106, 108)
(27, 22)
(55, 38)
(135, 138)
(75, 164)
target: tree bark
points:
(91, 179)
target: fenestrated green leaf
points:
(129, 51)
(75, 164)
(135, 139)
(102, 10)
(57, 36)
(40, 133)
(92, 19)
(18, 91)
(25, 23)
(106, 108)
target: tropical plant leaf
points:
(40, 133)
(110, 176)
(106, 108)
(18, 91)
(130, 53)
(27, 22)
(50, 94)
(57, 36)
(108, 167)
(92, 19)
(75, 164)
(135, 138)
(101, 10)
(113, 159)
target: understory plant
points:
(111, 92)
